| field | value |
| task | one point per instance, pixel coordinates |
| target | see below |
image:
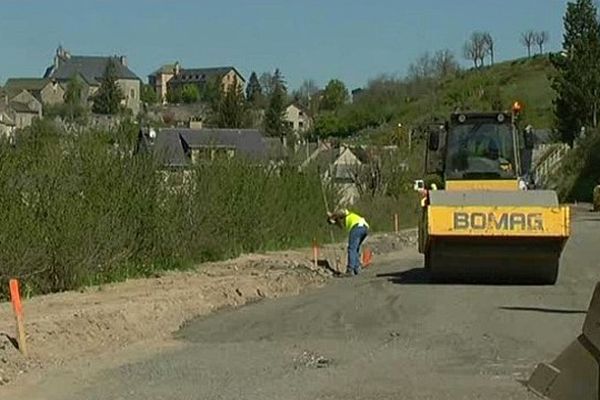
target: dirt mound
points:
(66, 326)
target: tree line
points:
(577, 78)
(480, 45)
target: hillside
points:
(525, 80)
(374, 115)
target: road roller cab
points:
(477, 221)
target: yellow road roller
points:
(479, 220)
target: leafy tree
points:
(74, 108)
(577, 82)
(148, 95)
(335, 95)
(328, 124)
(74, 93)
(275, 123)
(190, 93)
(254, 94)
(107, 100)
(174, 96)
(493, 97)
(231, 108)
(211, 89)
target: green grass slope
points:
(525, 80)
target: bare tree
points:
(527, 40)
(306, 95)
(475, 49)
(470, 53)
(540, 39)
(489, 44)
(445, 63)
(423, 68)
(267, 83)
(478, 38)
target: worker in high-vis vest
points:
(358, 229)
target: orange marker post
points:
(396, 223)
(18, 309)
(315, 249)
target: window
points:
(201, 153)
(480, 149)
(300, 113)
(222, 153)
(132, 94)
(301, 124)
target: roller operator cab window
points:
(480, 150)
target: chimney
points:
(195, 123)
(61, 55)
(177, 68)
(123, 60)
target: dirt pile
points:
(66, 326)
(378, 244)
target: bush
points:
(579, 172)
(379, 211)
(81, 210)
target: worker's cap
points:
(342, 211)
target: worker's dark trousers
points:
(356, 237)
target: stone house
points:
(47, 91)
(7, 125)
(90, 69)
(158, 79)
(21, 109)
(347, 167)
(184, 147)
(356, 93)
(298, 119)
(172, 77)
(343, 171)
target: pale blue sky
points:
(319, 39)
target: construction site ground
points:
(387, 334)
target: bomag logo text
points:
(496, 221)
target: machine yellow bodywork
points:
(483, 185)
(543, 222)
(490, 229)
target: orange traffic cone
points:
(367, 257)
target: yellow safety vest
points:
(353, 219)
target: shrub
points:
(80, 210)
(83, 209)
(579, 172)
